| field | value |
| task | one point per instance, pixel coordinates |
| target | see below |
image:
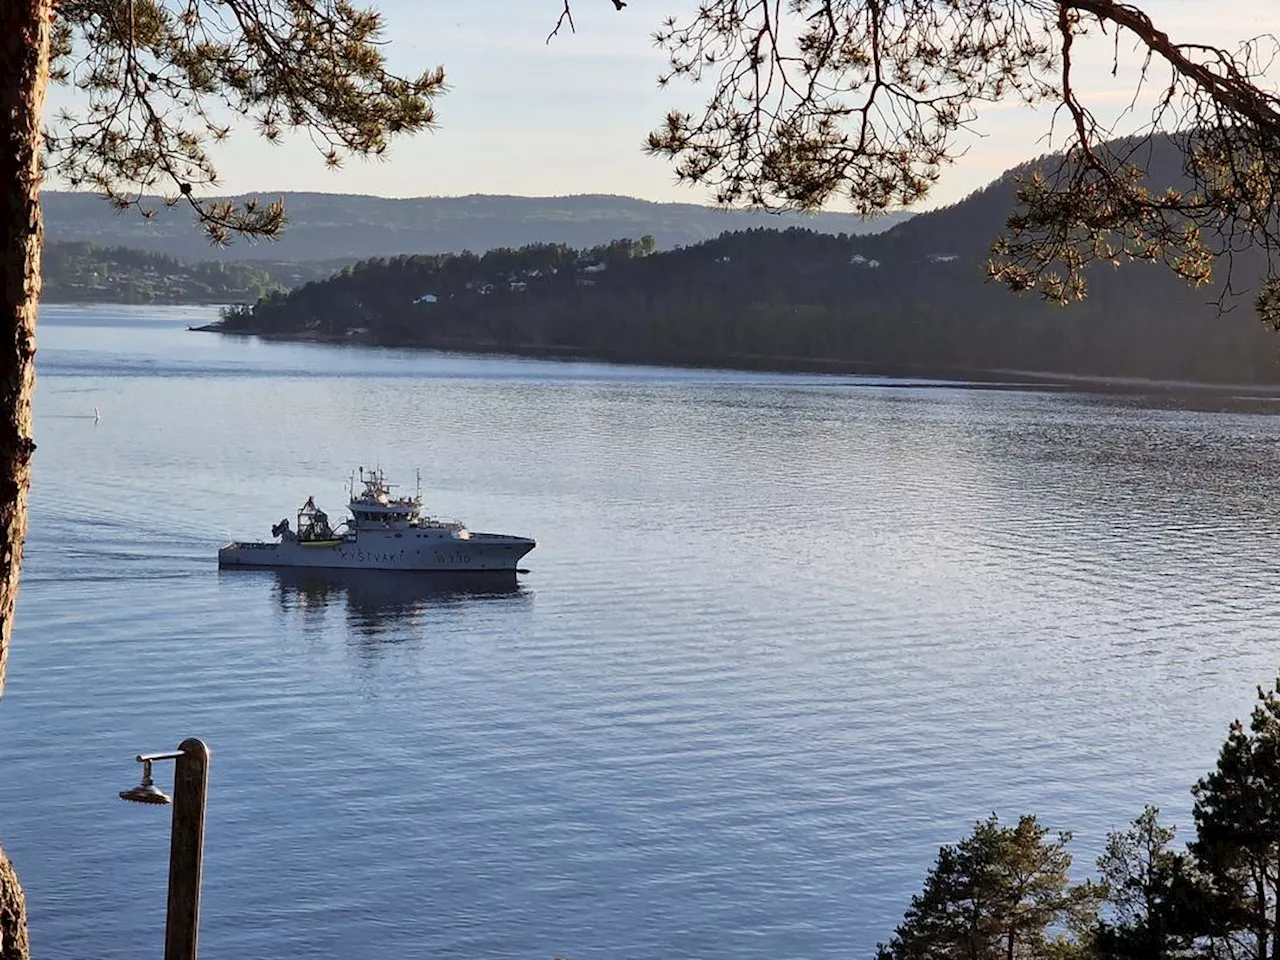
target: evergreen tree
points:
(1002, 893)
(1237, 814)
(1157, 905)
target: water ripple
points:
(781, 638)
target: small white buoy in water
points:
(96, 416)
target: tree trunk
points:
(1260, 911)
(24, 72)
(13, 914)
(1275, 926)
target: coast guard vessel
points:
(384, 533)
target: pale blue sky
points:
(524, 117)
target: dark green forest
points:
(1005, 891)
(912, 300)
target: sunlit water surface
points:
(781, 637)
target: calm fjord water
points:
(781, 637)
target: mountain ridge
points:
(331, 226)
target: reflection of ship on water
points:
(380, 600)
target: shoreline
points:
(948, 376)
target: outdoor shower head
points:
(145, 792)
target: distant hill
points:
(971, 224)
(341, 227)
(78, 272)
(82, 272)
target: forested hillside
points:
(83, 272)
(86, 272)
(913, 299)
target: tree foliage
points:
(1158, 904)
(165, 79)
(1134, 867)
(865, 100)
(1002, 893)
(1237, 814)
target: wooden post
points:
(186, 850)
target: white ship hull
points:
(385, 550)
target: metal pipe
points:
(171, 755)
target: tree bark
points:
(1273, 880)
(1260, 912)
(13, 914)
(24, 73)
